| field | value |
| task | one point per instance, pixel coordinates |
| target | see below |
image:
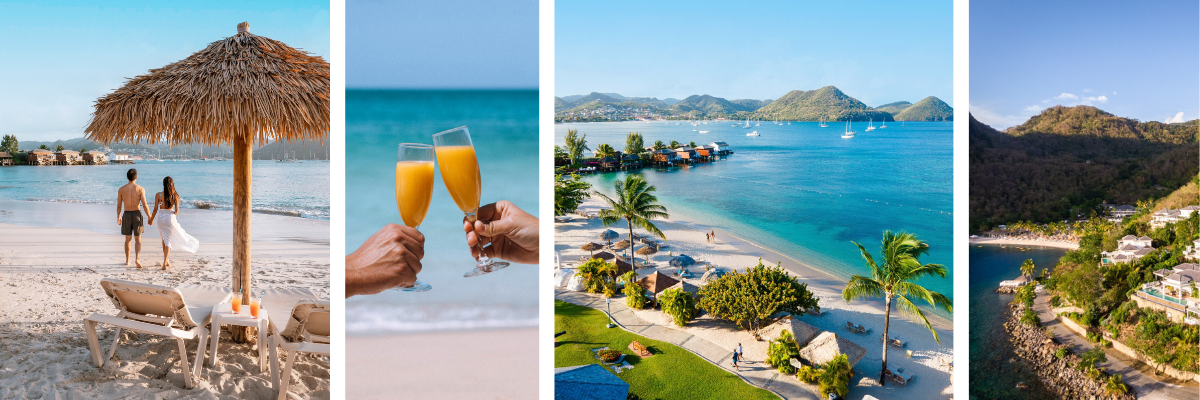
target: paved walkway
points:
(1144, 386)
(756, 373)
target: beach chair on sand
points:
(307, 331)
(182, 313)
(899, 376)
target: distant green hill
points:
(560, 104)
(751, 104)
(894, 108)
(1067, 160)
(707, 105)
(827, 103)
(928, 109)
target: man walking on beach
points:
(131, 200)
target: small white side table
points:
(222, 314)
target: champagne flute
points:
(414, 188)
(460, 173)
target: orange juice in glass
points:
(414, 189)
(237, 304)
(254, 308)
(460, 172)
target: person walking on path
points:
(735, 360)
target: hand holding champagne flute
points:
(414, 189)
(460, 172)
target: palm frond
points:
(860, 286)
(908, 308)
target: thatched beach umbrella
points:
(646, 250)
(241, 91)
(682, 260)
(608, 235)
(591, 247)
(622, 245)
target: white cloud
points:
(1033, 109)
(999, 120)
(1087, 90)
(1176, 119)
(1067, 96)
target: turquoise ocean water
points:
(295, 189)
(503, 127)
(994, 374)
(804, 191)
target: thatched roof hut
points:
(804, 333)
(241, 91)
(828, 345)
(686, 287)
(657, 282)
(604, 255)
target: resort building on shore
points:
(1193, 252)
(1172, 293)
(721, 148)
(67, 157)
(120, 156)
(1015, 283)
(41, 157)
(5, 159)
(1118, 213)
(1129, 249)
(1161, 218)
(666, 156)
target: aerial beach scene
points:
(435, 324)
(155, 245)
(736, 229)
(1083, 203)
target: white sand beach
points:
(49, 281)
(729, 252)
(1061, 244)
(452, 365)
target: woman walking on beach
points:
(168, 227)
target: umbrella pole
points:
(242, 177)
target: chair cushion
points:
(200, 300)
(280, 302)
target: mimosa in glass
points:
(460, 173)
(414, 188)
(237, 304)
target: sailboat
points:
(747, 126)
(849, 134)
(821, 124)
(884, 124)
(870, 126)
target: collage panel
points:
(1083, 200)
(161, 220)
(441, 127)
(759, 213)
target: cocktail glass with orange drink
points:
(460, 172)
(414, 189)
(254, 308)
(237, 304)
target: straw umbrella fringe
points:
(239, 91)
(591, 248)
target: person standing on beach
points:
(172, 234)
(131, 200)
(712, 236)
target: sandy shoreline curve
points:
(1024, 242)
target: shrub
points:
(635, 295)
(835, 377)
(781, 351)
(750, 298)
(609, 355)
(680, 305)
(1055, 301)
(1030, 317)
(1060, 353)
(597, 274)
(808, 374)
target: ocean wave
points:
(208, 205)
(367, 319)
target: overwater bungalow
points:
(722, 148)
(666, 156)
(41, 157)
(67, 157)
(95, 157)
(1172, 293)
(609, 163)
(5, 159)
(631, 161)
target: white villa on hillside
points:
(1193, 252)
(1161, 218)
(1172, 293)
(1118, 213)
(1129, 249)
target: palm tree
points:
(835, 377)
(1027, 268)
(892, 280)
(636, 204)
(658, 145)
(692, 144)
(604, 150)
(674, 144)
(576, 145)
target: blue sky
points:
(1133, 59)
(59, 58)
(462, 44)
(877, 52)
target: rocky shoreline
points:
(1037, 349)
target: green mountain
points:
(928, 109)
(1066, 161)
(706, 105)
(827, 103)
(894, 108)
(751, 104)
(560, 104)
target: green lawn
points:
(672, 373)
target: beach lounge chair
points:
(307, 331)
(182, 313)
(900, 377)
